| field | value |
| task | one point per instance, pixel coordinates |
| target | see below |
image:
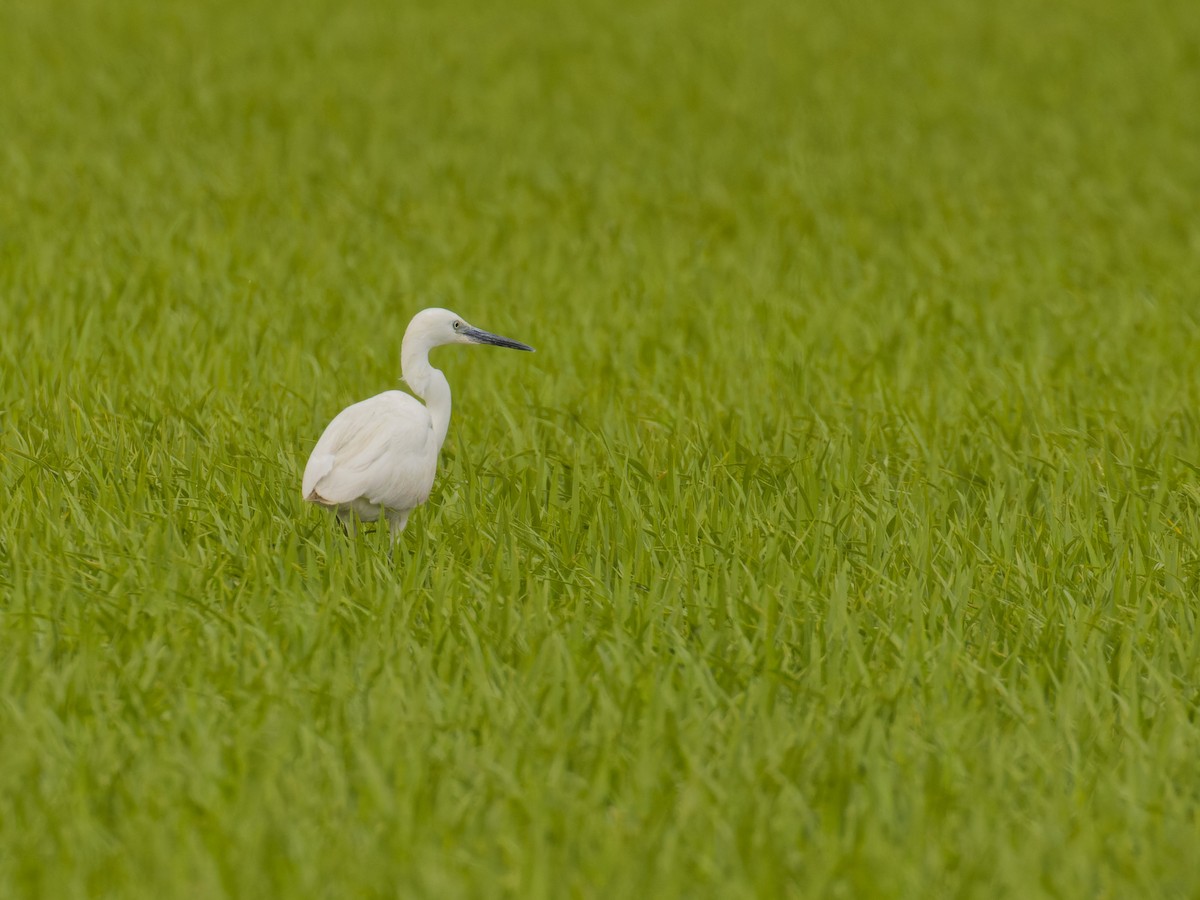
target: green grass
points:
(840, 540)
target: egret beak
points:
(479, 336)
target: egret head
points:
(435, 327)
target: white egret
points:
(378, 457)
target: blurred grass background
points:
(840, 540)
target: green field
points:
(842, 538)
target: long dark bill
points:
(479, 336)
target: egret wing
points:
(378, 450)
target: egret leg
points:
(397, 519)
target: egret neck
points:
(426, 382)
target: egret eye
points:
(457, 325)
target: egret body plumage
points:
(378, 457)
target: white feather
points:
(380, 453)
